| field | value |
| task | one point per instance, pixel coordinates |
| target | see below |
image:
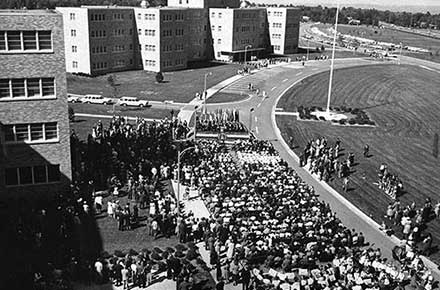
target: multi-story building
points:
(101, 39)
(238, 33)
(204, 3)
(34, 127)
(283, 26)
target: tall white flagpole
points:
(333, 59)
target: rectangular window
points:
(74, 48)
(18, 88)
(29, 40)
(9, 133)
(51, 131)
(4, 89)
(53, 173)
(73, 32)
(40, 174)
(37, 132)
(48, 85)
(33, 88)
(2, 40)
(74, 64)
(14, 40)
(72, 16)
(21, 132)
(11, 176)
(25, 174)
(45, 40)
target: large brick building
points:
(102, 39)
(34, 128)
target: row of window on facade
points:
(12, 40)
(27, 88)
(169, 32)
(39, 174)
(275, 13)
(177, 62)
(169, 47)
(31, 133)
(104, 65)
(148, 32)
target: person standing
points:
(345, 184)
(245, 277)
(366, 150)
(124, 274)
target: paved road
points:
(263, 125)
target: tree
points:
(112, 82)
(71, 114)
(159, 77)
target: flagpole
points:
(333, 59)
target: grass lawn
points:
(403, 101)
(179, 86)
(226, 98)
(150, 113)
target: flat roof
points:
(27, 11)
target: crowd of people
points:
(389, 183)
(412, 222)
(276, 232)
(227, 121)
(324, 160)
(123, 150)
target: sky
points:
(397, 5)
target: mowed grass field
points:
(404, 102)
(178, 86)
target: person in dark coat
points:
(245, 277)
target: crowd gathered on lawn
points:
(323, 159)
(267, 228)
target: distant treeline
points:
(318, 13)
(43, 4)
(372, 16)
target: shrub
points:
(322, 118)
(352, 121)
(159, 77)
(342, 121)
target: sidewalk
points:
(196, 205)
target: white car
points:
(96, 99)
(132, 101)
(73, 99)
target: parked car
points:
(96, 99)
(73, 99)
(132, 101)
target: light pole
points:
(179, 155)
(333, 60)
(245, 50)
(400, 53)
(204, 91)
(250, 119)
(307, 49)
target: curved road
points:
(278, 81)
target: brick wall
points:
(24, 65)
